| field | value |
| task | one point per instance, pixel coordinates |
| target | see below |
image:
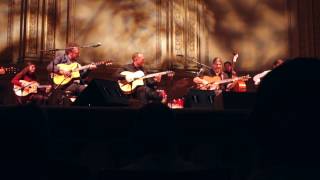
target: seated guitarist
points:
(23, 79)
(216, 72)
(72, 53)
(148, 92)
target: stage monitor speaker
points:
(200, 99)
(102, 93)
(234, 100)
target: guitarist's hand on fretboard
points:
(92, 66)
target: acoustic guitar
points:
(28, 88)
(215, 81)
(134, 79)
(74, 69)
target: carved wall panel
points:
(33, 28)
(192, 27)
(6, 27)
(38, 28)
(185, 32)
(162, 29)
(49, 28)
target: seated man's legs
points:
(75, 88)
(38, 99)
(140, 94)
(147, 95)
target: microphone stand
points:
(170, 83)
(54, 88)
(201, 64)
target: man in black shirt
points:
(147, 91)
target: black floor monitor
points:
(102, 93)
(199, 99)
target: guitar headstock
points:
(107, 62)
(235, 57)
(171, 73)
(10, 70)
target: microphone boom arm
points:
(84, 46)
(192, 59)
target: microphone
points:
(200, 71)
(91, 45)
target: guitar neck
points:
(155, 74)
(33, 83)
(230, 80)
(87, 66)
(224, 81)
(43, 86)
(10, 69)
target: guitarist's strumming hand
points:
(231, 85)
(48, 88)
(65, 73)
(204, 82)
(25, 84)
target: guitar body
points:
(75, 69)
(128, 87)
(211, 80)
(25, 90)
(215, 81)
(131, 82)
(59, 79)
(135, 79)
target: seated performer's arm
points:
(118, 76)
(16, 79)
(257, 78)
(53, 66)
(152, 82)
(199, 80)
(230, 86)
(84, 73)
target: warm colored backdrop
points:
(259, 30)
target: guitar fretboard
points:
(88, 65)
(156, 74)
(230, 80)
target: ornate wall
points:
(162, 29)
